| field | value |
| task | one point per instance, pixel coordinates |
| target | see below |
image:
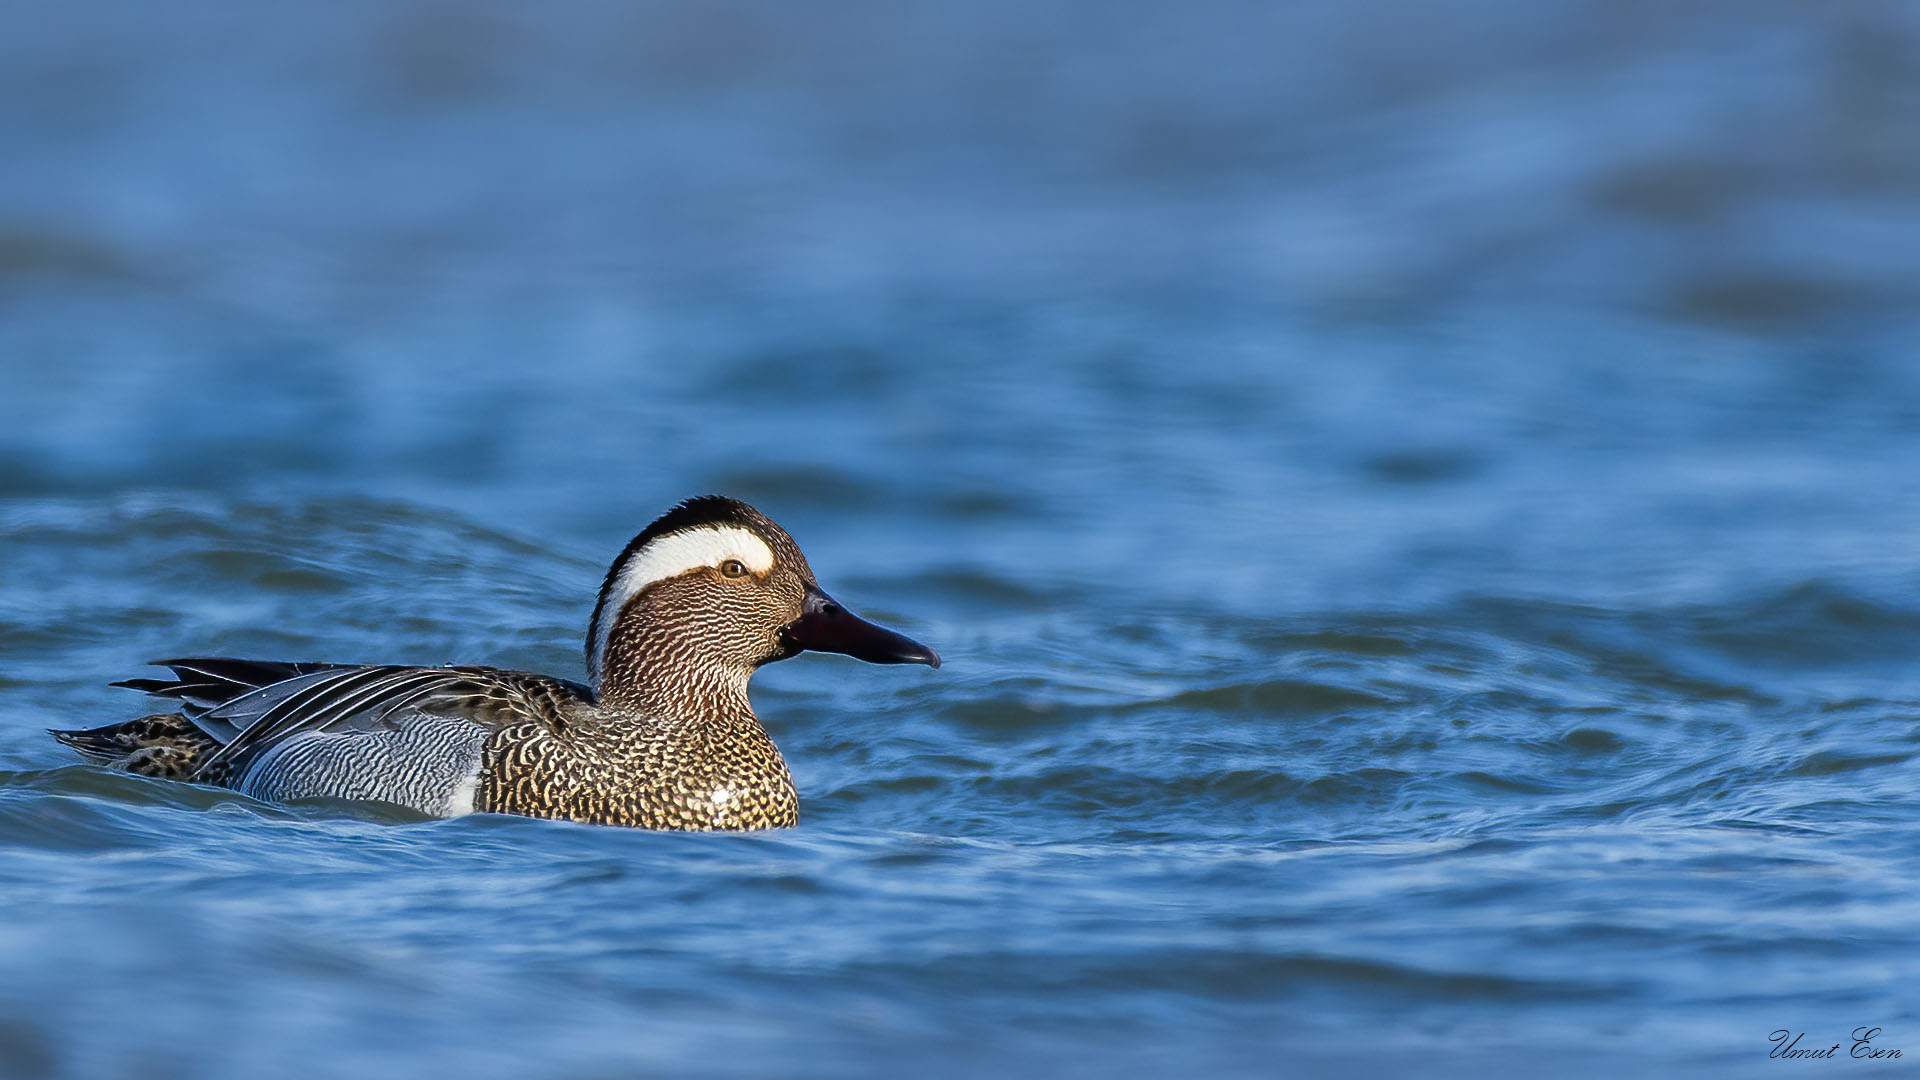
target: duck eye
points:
(733, 568)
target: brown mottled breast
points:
(722, 774)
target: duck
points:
(659, 736)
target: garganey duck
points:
(661, 736)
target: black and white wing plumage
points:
(411, 736)
(203, 683)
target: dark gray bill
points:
(825, 626)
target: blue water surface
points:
(1420, 507)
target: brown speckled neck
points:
(665, 662)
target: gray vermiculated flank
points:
(423, 763)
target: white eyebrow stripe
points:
(668, 557)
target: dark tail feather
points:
(165, 745)
(98, 745)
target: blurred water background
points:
(1418, 502)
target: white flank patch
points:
(460, 803)
(722, 795)
(669, 557)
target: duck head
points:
(712, 590)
